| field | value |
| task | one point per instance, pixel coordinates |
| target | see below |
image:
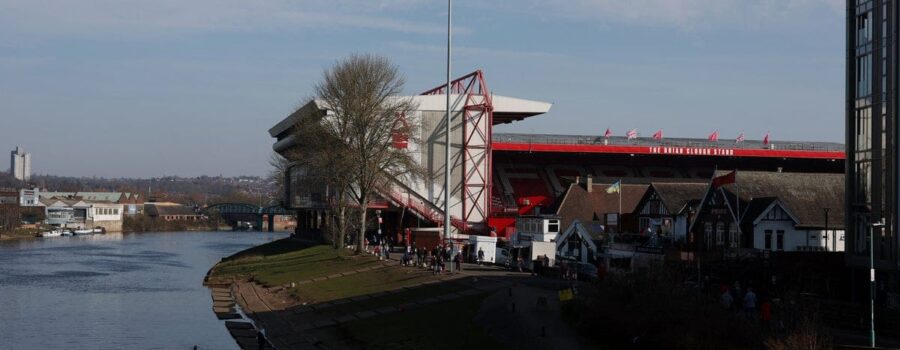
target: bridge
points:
(234, 213)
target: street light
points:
(833, 239)
(872, 227)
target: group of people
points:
(435, 259)
(744, 304)
(540, 263)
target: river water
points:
(115, 291)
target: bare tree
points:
(353, 142)
(279, 166)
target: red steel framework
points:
(478, 121)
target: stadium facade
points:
(498, 177)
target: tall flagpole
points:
(447, 136)
(619, 219)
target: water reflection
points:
(114, 291)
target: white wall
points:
(106, 212)
(794, 238)
(826, 240)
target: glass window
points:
(720, 233)
(863, 29)
(733, 236)
(707, 233)
(768, 243)
(780, 239)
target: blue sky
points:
(172, 87)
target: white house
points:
(667, 208)
(580, 241)
(536, 237)
(776, 211)
(77, 213)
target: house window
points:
(780, 239)
(733, 236)
(645, 224)
(720, 233)
(707, 233)
(768, 243)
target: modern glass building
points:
(871, 140)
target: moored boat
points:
(52, 233)
(80, 232)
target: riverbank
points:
(311, 296)
(19, 234)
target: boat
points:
(99, 230)
(81, 232)
(53, 233)
(67, 233)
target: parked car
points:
(502, 257)
(585, 271)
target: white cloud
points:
(138, 17)
(682, 14)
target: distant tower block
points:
(20, 164)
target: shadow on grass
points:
(395, 319)
(277, 247)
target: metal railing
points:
(670, 142)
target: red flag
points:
(720, 181)
(766, 139)
(714, 136)
(739, 139)
(608, 133)
(632, 134)
(658, 135)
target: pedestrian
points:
(536, 266)
(458, 262)
(520, 263)
(546, 262)
(750, 303)
(480, 256)
(765, 310)
(725, 298)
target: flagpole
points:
(620, 206)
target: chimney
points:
(590, 183)
(578, 180)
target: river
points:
(115, 291)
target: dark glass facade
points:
(872, 133)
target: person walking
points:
(458, 261)
(480, 256)
(750, 303)
(725, 299)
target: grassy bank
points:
(19, 233)
(285, 261)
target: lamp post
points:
(872, 227)
(833, 239)
(447, 166)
